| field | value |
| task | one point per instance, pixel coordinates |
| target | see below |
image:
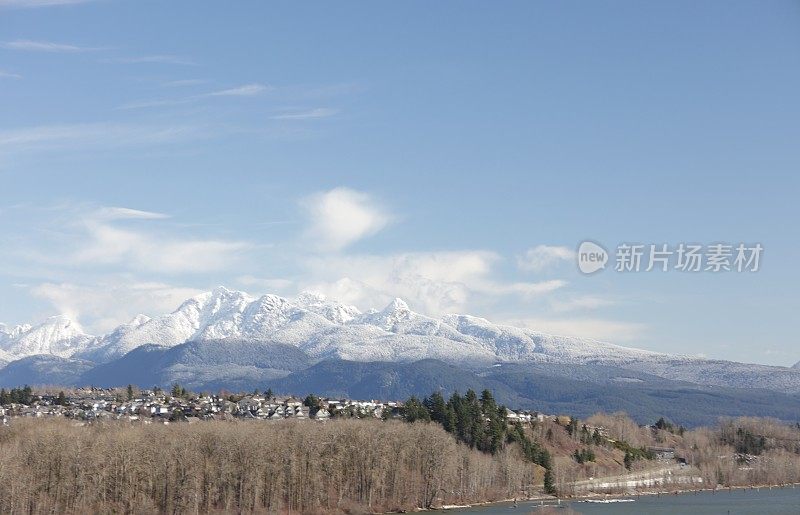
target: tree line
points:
(481, 424)
(22, 395)
(355, 466)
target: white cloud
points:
(9, 75)
(543, 257)
(125, 213)
(526, 290)
(44, 46)
(107, 244)
(341, 216)
(105, 305)
(311, 114)
(598, 329)
(247, 90)
(119, 239)
(434, 283)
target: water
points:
(745, 502)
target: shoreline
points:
(549, 501)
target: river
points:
(746, 502)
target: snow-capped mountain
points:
(320, 327)
(326, 329)
(58, 336)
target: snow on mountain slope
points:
(8, 333)
(5, 358)
(210, 315)
(335, 312)
(328, 329)
(57, 336)
(722, 373)
(515, 344)
(320, 327)
(398, 318)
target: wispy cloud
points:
(45, 46)
(183, 83)
(435, 282)
(310, 114)
(152, 59)
(146, 104)
(107, 134)
(126, 213)
(526, 290)
(543, 257)
(39, 3)
(129, 240)
(112, 301)
(248, 90)
(103, 262)
(9, 75)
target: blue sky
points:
(152, 150)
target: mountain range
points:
(228, 339)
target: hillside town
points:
(90, 404)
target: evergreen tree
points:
(437, 408)
(586, 438)
(628, 460)
(22, 395)
(495, 435)
(176, 390)
(488, 406)
(61, 400)
(414, 410)
(549, 484)
(130, 392)
(4, 397)
(583, 456)
(268, 394)
(312, 402)
(572, 427)
(473, 419)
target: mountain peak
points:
(58, 335)
(62, 321)
(397, 304)
(138, 320)
(220, 290)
